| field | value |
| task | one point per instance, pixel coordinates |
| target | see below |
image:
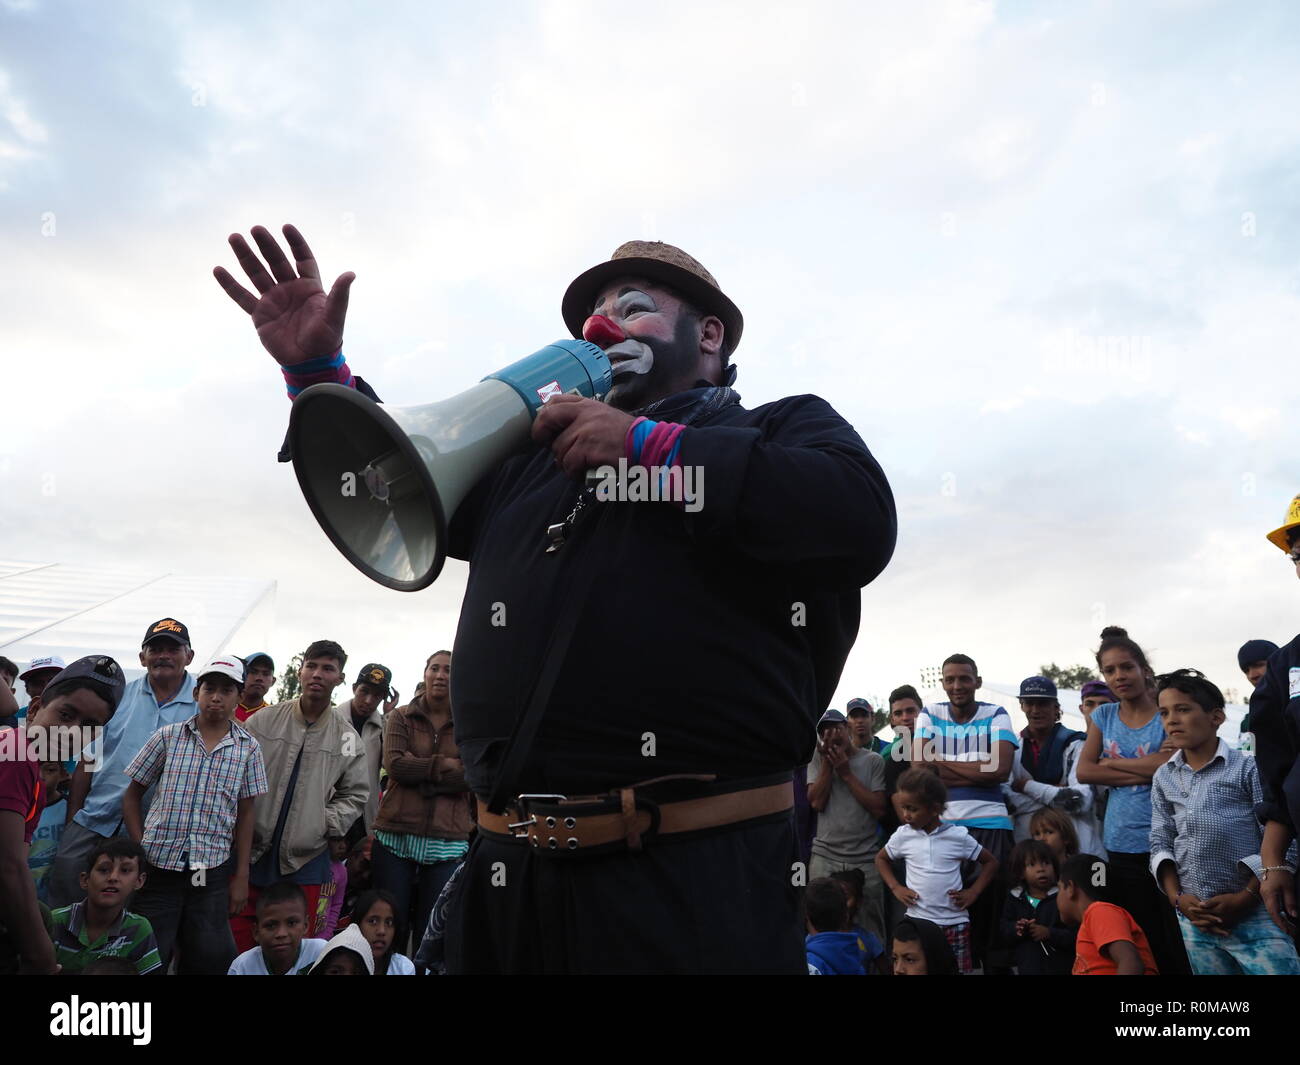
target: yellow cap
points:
(1291, 521)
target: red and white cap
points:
(227, 666)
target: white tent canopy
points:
(52, 608)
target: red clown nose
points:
(600, 331)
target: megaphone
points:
(384, 482)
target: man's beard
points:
(673, 361)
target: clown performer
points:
(707, 648)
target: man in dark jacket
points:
(1275, 722)
(712, 638)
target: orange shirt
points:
(1103, 924)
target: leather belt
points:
(624, 818)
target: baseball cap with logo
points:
(1037, 688)
(226, 666)
(377, 676)
(858, 706)
(48, 662)
(169, 627)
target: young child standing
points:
(1204, 832)
(1109, 942)
(376, 916)
(99, 926)
(200, 825)
(934, 851)
(1031, 923)
(279, 928)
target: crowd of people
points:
(207, 832)
(1136, 847)
(571, 820)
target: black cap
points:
(1254, 651)
(1037, 688)
(376, 676)
(169, 627)
(101, 669)
(831, 717)
(859, 706)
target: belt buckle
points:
(521, 804)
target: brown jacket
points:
(421, 800)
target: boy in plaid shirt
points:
(208, 769)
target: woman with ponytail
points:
(1125, 746)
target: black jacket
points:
(714, 639)
(1275, 721)
(1053, 956)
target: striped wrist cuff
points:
(328, 369)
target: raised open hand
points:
(294, 318)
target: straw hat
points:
(656, 261)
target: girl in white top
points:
(376, 915)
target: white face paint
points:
(630, 356)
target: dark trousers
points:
(721, 902)
(986, 913)
(189, 909)
(416, 888)
(1132, 886)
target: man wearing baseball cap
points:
(846, 786)
(861, 717)
(1044, 771)
(39, 672)
(372, 697)
(1275, 724)
(259, 675)
(762, 582)
(163, 696)
(207, 771)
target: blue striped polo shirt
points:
(969, 741)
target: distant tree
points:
(290, 687)
(1071, 677)
(879, 719)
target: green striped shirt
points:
(422, 849)
(130, 937)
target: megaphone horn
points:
(385, 482)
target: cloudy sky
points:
(1036, 253)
